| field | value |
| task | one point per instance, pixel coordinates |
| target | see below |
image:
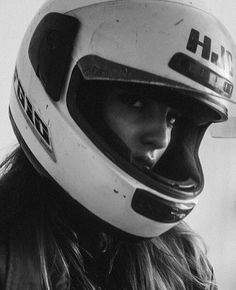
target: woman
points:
(109, 112)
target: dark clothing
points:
(12, 261)
(32, 211)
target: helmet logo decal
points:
(198, 72)
(224, 60)
(38, 126)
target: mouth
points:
(143, 162)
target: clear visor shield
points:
(95, 68)
(226, 129)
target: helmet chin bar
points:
(146, 204)
(143, 202)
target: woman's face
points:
(142, 123)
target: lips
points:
(143, 161)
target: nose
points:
(156, 132)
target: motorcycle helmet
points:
(72, 54)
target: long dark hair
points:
(65, 251)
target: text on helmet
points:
(33, 118)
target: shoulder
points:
(17, 268)
(4, 256)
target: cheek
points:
(121, 126)
(169, 136)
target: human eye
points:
(172, 117)
(134, 101)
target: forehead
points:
(136, 89)
(122, 92)
(122, 95)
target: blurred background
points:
(215, 216)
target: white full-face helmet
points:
(72, 52)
